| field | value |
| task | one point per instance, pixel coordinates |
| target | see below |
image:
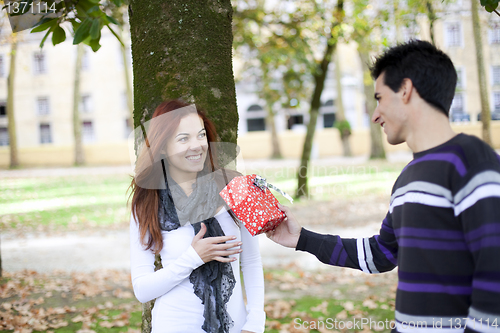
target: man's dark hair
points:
(429, 69)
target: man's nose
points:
(376, 116)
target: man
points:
(442, 229)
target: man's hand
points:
(288, 232)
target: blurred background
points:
(63, 198)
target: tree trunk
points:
(377, 146)
(339, 103)
(128, 85)
(483, 88)
(77, 124)
(14, 159)
(431, 16)
(319, 78)
(183, 49)
(302, 188)
(270, 124)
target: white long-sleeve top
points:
(177, 308)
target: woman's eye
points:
(183, 139)
(202, 135)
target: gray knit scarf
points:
(213, 282)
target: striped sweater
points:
(442, 230)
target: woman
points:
(201, 244)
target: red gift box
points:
(256, 208)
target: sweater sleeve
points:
(253, 278)
(477, 205)
(375, 254)
(149, 284)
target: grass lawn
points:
(296, 301)
(87, 201)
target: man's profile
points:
(442, 228)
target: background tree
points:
(183, 49)
(341, 122)
(307, 32)
(483, 87)
(79, 154)
(11, 127)
(365, 21)
(280, 71)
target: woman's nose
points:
(195, 145)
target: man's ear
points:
(406, 89)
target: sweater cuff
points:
(305, 236)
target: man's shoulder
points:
(476, 152)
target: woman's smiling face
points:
(187, 148)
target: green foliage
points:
(58, 35)
(87, 18)
(344, 127)
(490, 5)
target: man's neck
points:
(430, 128)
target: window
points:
(453, 34)
(3, 109)
(42, 106)
(496, 101)
(495, 75)
(457, 105)
(256, 124)
(495, 34)
(295, 120)
(4, 136)
(45, 134)
(328, 120)
(330, 102)
(40, 65)
(255, 107)
(86, 104)
(87, 132)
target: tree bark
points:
(183, 49)
(377, 145)
(483, 87)
(339, 103)
(77, 124)
(11, 127)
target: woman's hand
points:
(214, 248)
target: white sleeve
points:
(149, 284)
(253, 279)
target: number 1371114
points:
(22, 7)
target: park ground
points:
(64, 248)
